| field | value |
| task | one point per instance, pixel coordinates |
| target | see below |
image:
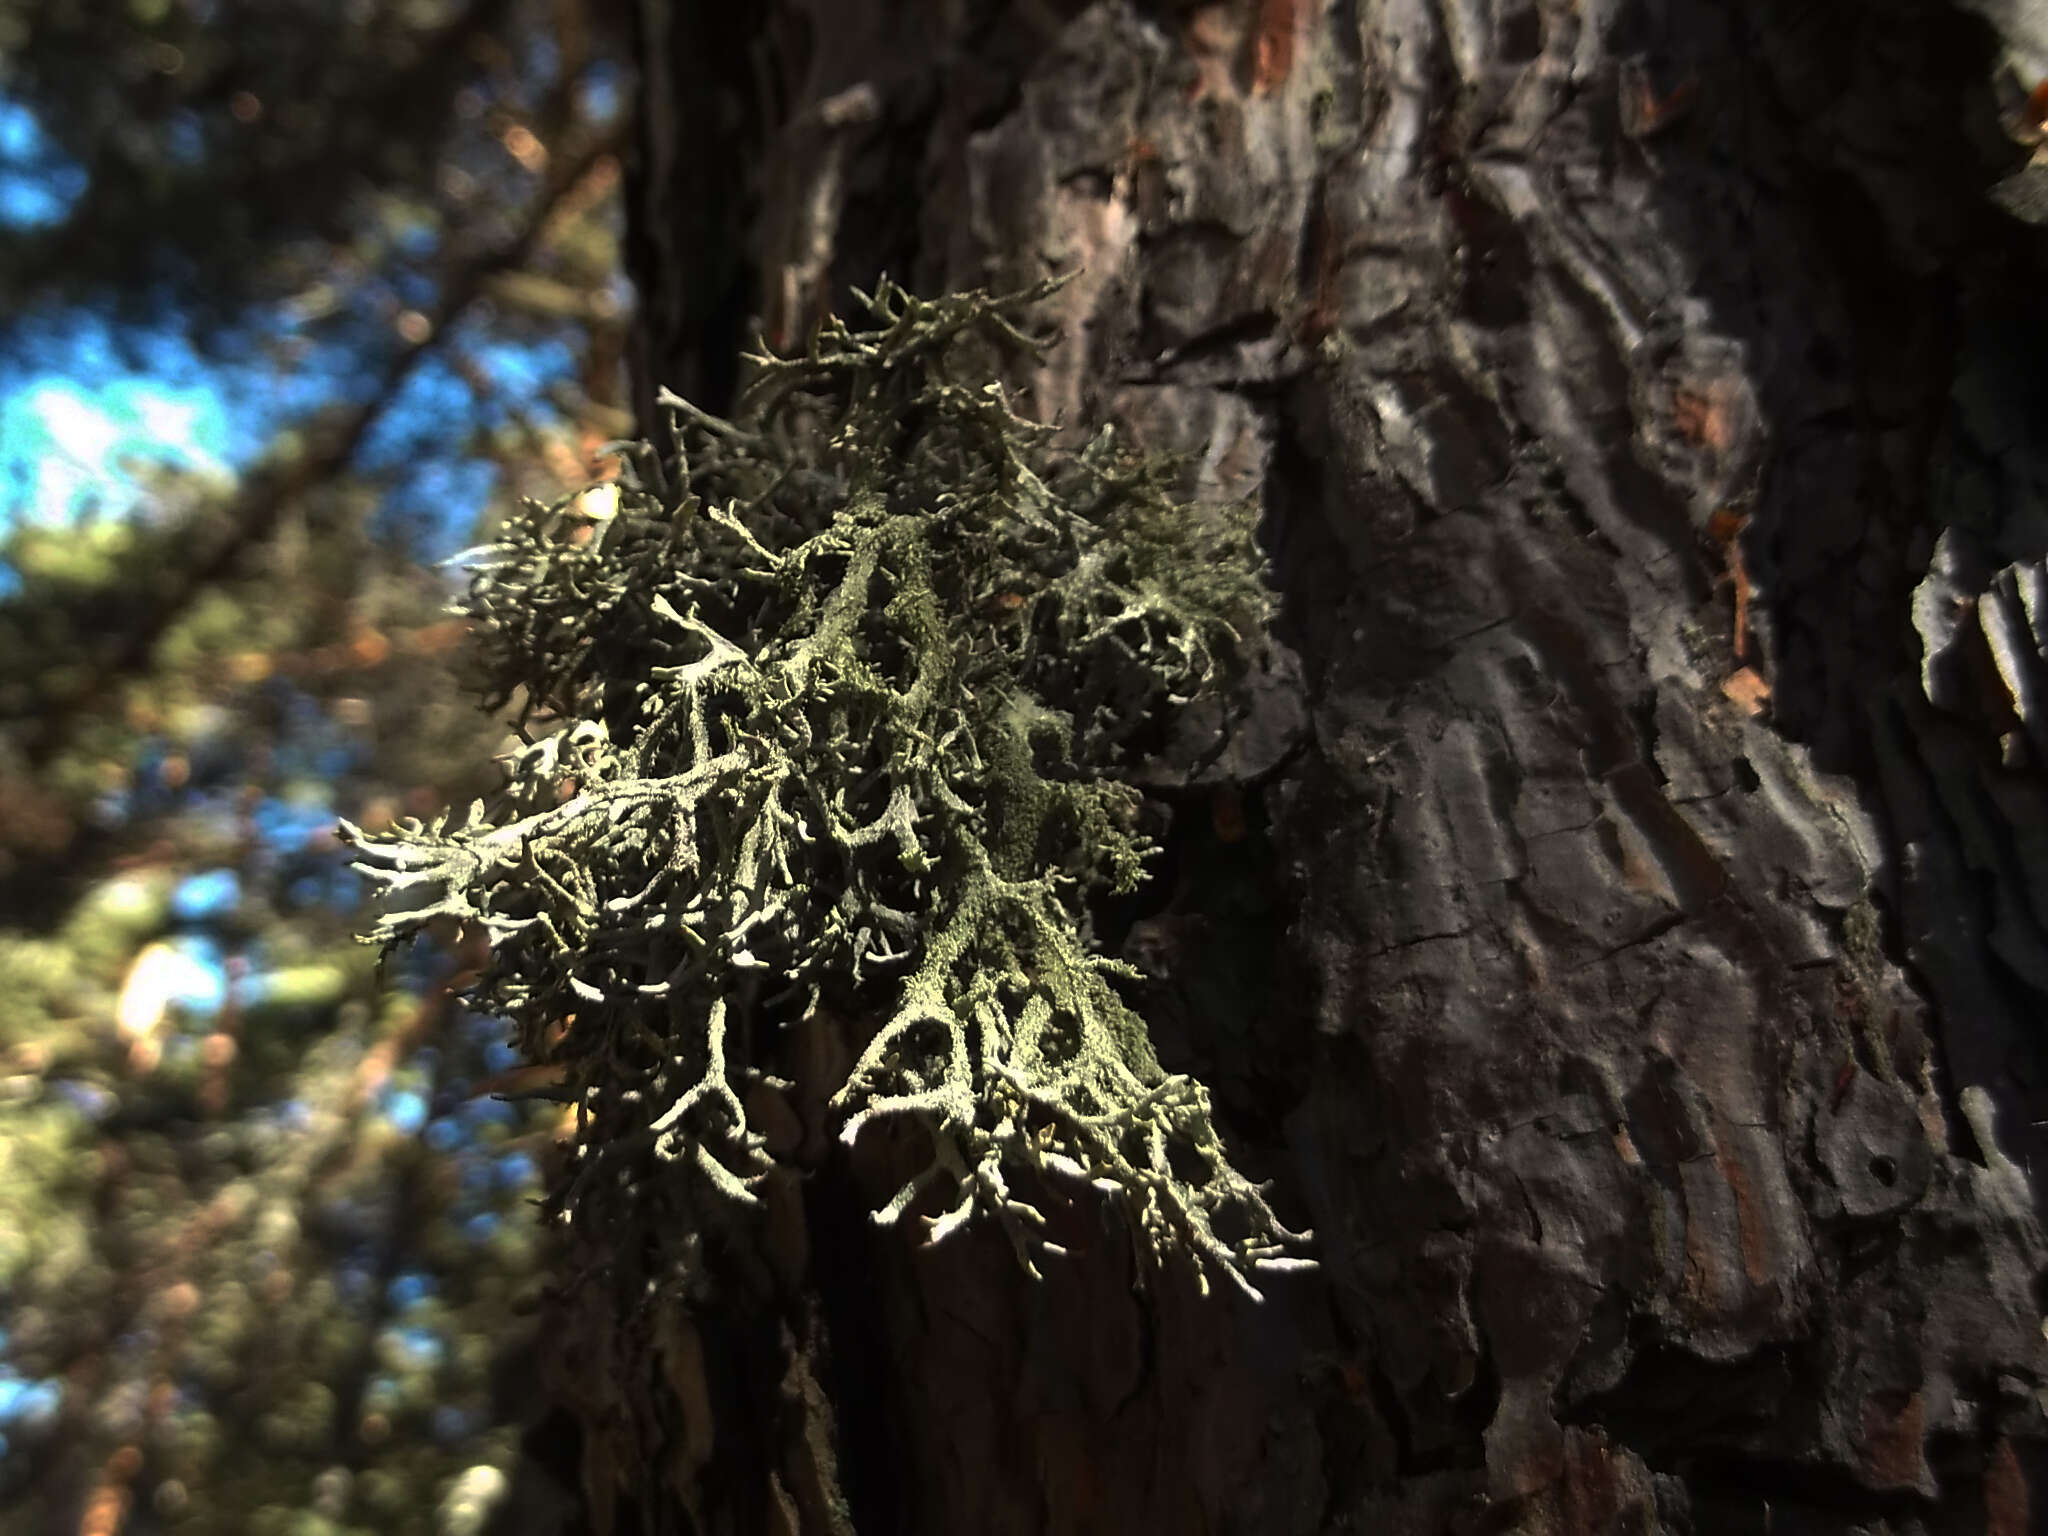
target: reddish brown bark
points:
(1623, 951)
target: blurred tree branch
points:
(254, 511)
(303, 102)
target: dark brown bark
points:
(1627, 948)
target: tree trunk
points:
(1618, 924)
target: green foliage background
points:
(265, 1231)
(265, 1238)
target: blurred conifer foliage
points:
(265, 1241)
(236, 143)
(262, 1223)
(383, 221)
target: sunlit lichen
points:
(842, 693)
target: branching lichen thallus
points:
(841, 691)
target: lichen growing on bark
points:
(841, 695)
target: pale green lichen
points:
(843, 691)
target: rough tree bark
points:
(1619, 925)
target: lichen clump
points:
(842, 691)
